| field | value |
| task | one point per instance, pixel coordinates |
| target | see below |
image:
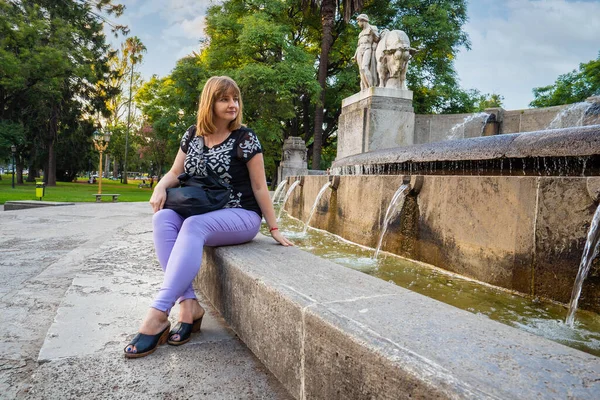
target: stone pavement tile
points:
(218, 370)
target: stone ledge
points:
(328, 332)
(25, 204)
(377, 92)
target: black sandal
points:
(146, 344)
(184, 330)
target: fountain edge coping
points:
(574, 141)
(326, 331)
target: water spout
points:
(287, 195)
(590, 251)
(279, 190)
(314, 207)
(396, 203)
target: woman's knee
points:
(166, 216)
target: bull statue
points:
(392, 54)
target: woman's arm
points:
(159, 195)
(256, 167)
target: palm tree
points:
(134, 49)
(328, 10)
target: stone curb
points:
(328, 332)
(27, 204)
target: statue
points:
(393, 53)
(365, 53)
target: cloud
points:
(527, 44)
(189, 29)
(171, 11)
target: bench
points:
(115, 197)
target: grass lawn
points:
(73, 191)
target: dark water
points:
(541, 318)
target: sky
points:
(516, 45)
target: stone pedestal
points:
(376, 118)
(293, 162)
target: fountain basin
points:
(313, 322)
(523, 233)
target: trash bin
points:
(40, 189)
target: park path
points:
(74, 283)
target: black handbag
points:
(198, 194)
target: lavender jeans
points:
(179, 242)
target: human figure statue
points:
(365, 52)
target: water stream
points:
(590, 251)
(314, 207)
(458, 130)
(287, 195)
(395, 204)
(279, 190)
(571, 115)
(541, 318)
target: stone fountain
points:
(508, 204)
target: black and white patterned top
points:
(228, 159)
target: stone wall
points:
(521, 233)
(328, 332)
(436, 128)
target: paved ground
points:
(74, 284)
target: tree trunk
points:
(19, 170)
(328, 20)
(50, 172)
(128, 126)
(306, 117)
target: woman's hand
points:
(280, 238)
(159, 196)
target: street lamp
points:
(13, 149)
(101, 143)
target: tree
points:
(571, 87)
(328, 10)
(485, 101)
(134, 48)
(119, 80)
(52, 55)
(264, 47)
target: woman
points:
(235, 154)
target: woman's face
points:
(226, 107)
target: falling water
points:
(396, 203)
(590, 251)
(287, 195)
(279, 190)
(571, 115)
(314, 207)
(458, 130)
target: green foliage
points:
(53, 60)
(571, 87)
(488, 101)
(257, 44)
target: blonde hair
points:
(214, 88)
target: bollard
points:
(40, 189)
